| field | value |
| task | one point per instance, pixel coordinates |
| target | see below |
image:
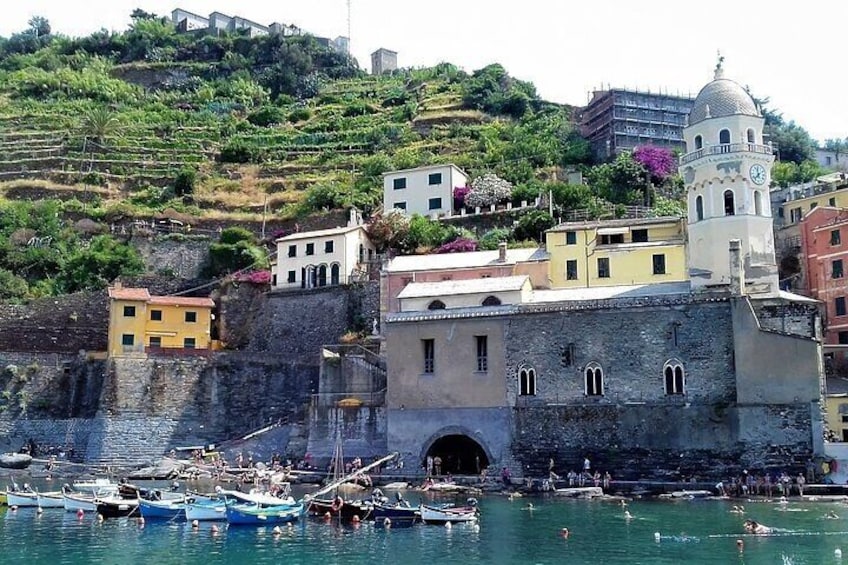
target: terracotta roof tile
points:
(120, 293)
(182, 301)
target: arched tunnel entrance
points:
(459, 455)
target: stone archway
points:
(460, 450)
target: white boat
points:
(76, 502)
(22, 499)
(260, 498)
(51, 500)
(206, 510)
(443, 514)
(97, 487)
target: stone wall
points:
(62, 324)
(175, 257)
(796, 318)
(362, 431)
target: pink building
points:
(504, 262)
(824, 248)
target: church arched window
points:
(758, 203)
(674, 377)
(526, 381)
(436, 305)
(492, 301)
(752, 135)
(724, 136)
(699, 207)
(594, 376)
(699, 142)
(729, 203)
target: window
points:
(837, 272)
(400, 206)
(191, 317)
(292, 277)
(659, 264)
(674, 381)
(729, 205)
(322, 275)
(571, 270)
(334, 273)
(436, 305)
(758, 203)
(795, 215)
(699, 142)
(699, 207)
(752, 137)
(840, 306)
(831, 201)
(156, 342)
(835, 237)
(292, 250)
(434, 204)
(429, 355)
(156, 315)
(491, 301)
(813, 205)
(434, 178)
(128, 339)
(129, 311)
(527, 381)
(571, 238)
(482, 342)
(843, 338)
(603, 268)
(399, 184)
(639, 236)
(594, 380)
(724, 136)
(567, 355)
(609, 239)
(328, 246)
(310, 249)
(189, 343)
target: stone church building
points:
(686, 379)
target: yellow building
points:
(617, 252)
(794, 210)
(140, 323)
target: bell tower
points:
(726, 172)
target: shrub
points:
(357, 109)
(388, 230)
(493, 237)
(487, 190)
(533, 225)
(459, 245)
(233, 235)
(239, 151)
(300, 115)
(460, 193)
(266, 116)
(184, 183)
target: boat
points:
(201, 510)
(15, 460)
(77, 502)
(258, 498)
(398, 516)
(247, 514)
(448, 513)
(51, 500)
(96, 487)
(114, 507)
(338, 507)
(162, 509)
(3, 499)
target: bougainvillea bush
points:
(459, 245)
(487, 190)
(659, 161)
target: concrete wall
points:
(362, 431)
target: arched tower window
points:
(675, 381)
(526, 381)
(491, 301)
(752, 135)
(699, 207)
(758, 203)
(699, 142)
(594, 377)
(729, 203)
(724, 136)
(436, 305)
(334, 273)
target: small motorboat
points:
(249, 514)
(162, 509)
(114, 507)
(206, 510)
(340, 508)
(258, 498)
(15, 460)
(22, 499)
(77, 502)
(51, 500)
(395, 516)
(449, 513)
(96, 487)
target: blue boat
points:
(248, 514)
(162, 509)
(395, 516)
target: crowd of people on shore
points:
(766, 484)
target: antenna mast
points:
(348, 28)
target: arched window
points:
(322, 275)
(729, 204)
(699, 207)
(752, 136)
(674, 377)
(304, 277)
(594, 380)
(699, 142)
(758, 203)
(491, 301)
(724, 136)
(436, 305)
(526, 381)
(334, 273)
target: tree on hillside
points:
(98, 123)
(487, 190)
(792, 142)
(39, 26)
(838, 146)
(659, 161)
(624, 181)
(139, 14)
(491, 89)
(94, 267)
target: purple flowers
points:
(659, 161)
(459, 245)
(459, 194)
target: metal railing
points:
(366, 398)
(356, 350)
(723, 148)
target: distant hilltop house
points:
(423, 190)
(383, 61)
(217, 22)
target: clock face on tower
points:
(758, 174)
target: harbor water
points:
(691, 531)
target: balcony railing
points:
(723, 148)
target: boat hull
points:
(161, 510)
(397, 516)
(15, 460)
(320, 507)
(51, 501)
(22, 499)
(117, 508)
(434, 515)
(206, 512)
(241, 515)
(73, 503)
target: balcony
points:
(726, 148)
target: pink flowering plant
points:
(459, 194)
(459, 245)
(658, 161)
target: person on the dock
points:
(429, 465)
(506, 476)
(800, 481)
(437, 465)
(607, 480)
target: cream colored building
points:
(323, 257)
(727, 171)
(424, 190)
(469, 293)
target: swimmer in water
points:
(628, 515)
(529, 507)
(754, 527)
(831, 515)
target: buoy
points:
(564, 533)
(740, 544)
(355, 519)
(100, 517)
(628, 515)
(475, 527)
(214, 530)
(657, 537)
(39, 510)
(195, 524)
(387, 523)
(290, 525)
(277, 530)
(448, 525)
(838, 553)
(14, 507)
(80, 513)
(327, 516)
(141, 520)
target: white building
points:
(324, 257)
(833, 160)
(470, 293)
(726, 172)
(424, 190)
(187, 21)
(219, 22)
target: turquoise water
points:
(693, 532)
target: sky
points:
(796, 57)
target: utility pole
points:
(349, 51)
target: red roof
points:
(182, 301)
(120, 293)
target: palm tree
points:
(99, 123)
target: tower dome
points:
(721, 98)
